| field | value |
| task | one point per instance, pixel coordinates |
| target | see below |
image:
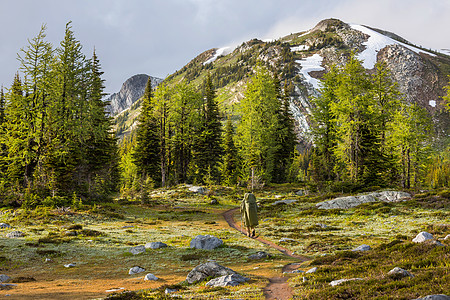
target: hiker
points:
(249, 213)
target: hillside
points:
(302, 58)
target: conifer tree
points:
(2, 107)
(147, 150)
(230, 160)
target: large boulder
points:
(4, 278)
(206, 242)
(136, 270)
(353, 201)
(227, 280)
(435, 297)
(399, 273)
(209, 269)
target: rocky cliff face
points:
(132, 89)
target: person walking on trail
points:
(249, 213)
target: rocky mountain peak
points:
(132, 89)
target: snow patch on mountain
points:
(219, 52)
(310, 64)
(300, 48)
(375, 43)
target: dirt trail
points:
(278, 287)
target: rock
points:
(447, 237)
(304, 279)
(170, 291)
(4, 225)
(4, 278)
(283, 240)
(399, 273)
(136, 270)
(137, 250)
(287, 201)
(312, 270)
(362, 248)
(70, 233)
(71, 265)
(150, 276)
(301, 193)
(206, 242)
(155, 245)
(340, 281)
(227, 280)
(323, 226)
(114, 290)
(214, 201)
(198, 189)
(15, 234)
(209, 269)
(353, 201)
(422, 237)
(259, 255)
(47, 260)
(435, 297)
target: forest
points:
(57, 146)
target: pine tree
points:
(147, 150)
(230, 160)
(447, 96)
(2, 107)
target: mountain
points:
(302, 58)
(132, 89)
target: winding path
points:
(278, 287)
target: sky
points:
(158, 37)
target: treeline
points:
(56, 143)
(182, 137)
(365, 135)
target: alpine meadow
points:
(341, 133)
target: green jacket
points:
(249, 210)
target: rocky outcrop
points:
(132, 89)
(353, 201)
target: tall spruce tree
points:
(208, 147)
(147, 151)
(230, 160)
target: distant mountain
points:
(132, 89)
(304, 57)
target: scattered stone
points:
(4, 225)
(283, 240)
(206, 242)
(7, 286)
(301, 193)
(305, 279)
(114, 290)
(170, 291)
(71, 265)
(198, 189)
(227, 280)
(214, 201)
(323, 226)
(127, 226)
(209, 269)
(294, 272)
(312, 270)
(150, 276)
(362, 248)
(70, 233)
(447, 237)
(15, 234)
(259, 255)
(340, 281)
(155, 245)
(278, 196)
(4, 278)
(47, 260)
(435, 297)
(422, 237)
(353, 201)
(137, 250)
(287, 201)
(136, 270)
(399, 273)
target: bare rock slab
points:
(422, 237)
(137, 250)
(209, 269)
(227, 280)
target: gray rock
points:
(136, 270)
(206, 242)
(15, 234)
(137, 250)
(312, 270)
(283, 240)
(447, 237)
(4, 225)
(399, 273)
(4, 278)
(340, 281)
(155, 245)
(71, 265)
(353, 201)
(209, 269)
(198, 190)
(435, 297)
(422, 237)
(362, 248)
(287, 201)
(150, 276)
(301, 193)
(170, 291)
(227, 280)
(321, 225)
(259, 255)
(70, 233)
(214, 201)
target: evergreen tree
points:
(230, 160)
(2, 107)
(147, 150)
(447, 96)
(208, 148)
